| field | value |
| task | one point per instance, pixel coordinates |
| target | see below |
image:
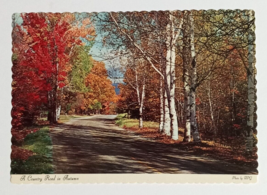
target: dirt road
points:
(94, 144)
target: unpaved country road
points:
(94, 144)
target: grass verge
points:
(123, 121)
(40, 144)
(66, 118)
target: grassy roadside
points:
(123, 121)
(66, 118)
(38, 147)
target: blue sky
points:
(99, 51)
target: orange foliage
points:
(100, 87)
(79, 29)
(128, 100)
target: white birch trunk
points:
(140, 98)
(186, 78)
(194, 127)
(141, 107)
(58, 112)
(167, 121)
(251, 89)
(170, 73)
(174, 121)
(162, 118)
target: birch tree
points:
(168, 69)
(193, 120)
(186, 76)
(136, 81)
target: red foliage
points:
(39, 64)
(18, 136)
(236, 126)
(20, 154)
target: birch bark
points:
(167, 121)
(186, 77)
(141, 107)
(174, 121)
(141, 97)
(170, 72)
(213, 126)
(166, 73)
(194, 127)
(162, 114)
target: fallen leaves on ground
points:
(19, 135)
(20, 154)
(204, 148)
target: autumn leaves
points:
(192, 72)
(183, 69)
(52, 68)
(101, 90)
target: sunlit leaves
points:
(100, 87)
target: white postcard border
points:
(11, 6)
(131, 178)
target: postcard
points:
(133, 97)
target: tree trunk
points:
(52, 109)
(170, 72)
(141, 107)
(174, 121)
(49, 116)
(167, 121)
(194, 127)
(213, 126)
(58, 112)
(186, 76)
(251, 88)
(232, 91)
(162, 116)
(52, 115)
(140, 97)
(193, 120)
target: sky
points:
(101, 52)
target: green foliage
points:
(122, 115)
(65, 118)
(33, 165)
(97, 106)
(40, 137)
(41, 163)
(14, 57)
(82, 63)
(119, 119)
(68, 107)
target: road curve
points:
(94, 144)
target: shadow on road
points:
(97, 146)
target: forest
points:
(192, 73)
(190, 69)
(53, 71)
